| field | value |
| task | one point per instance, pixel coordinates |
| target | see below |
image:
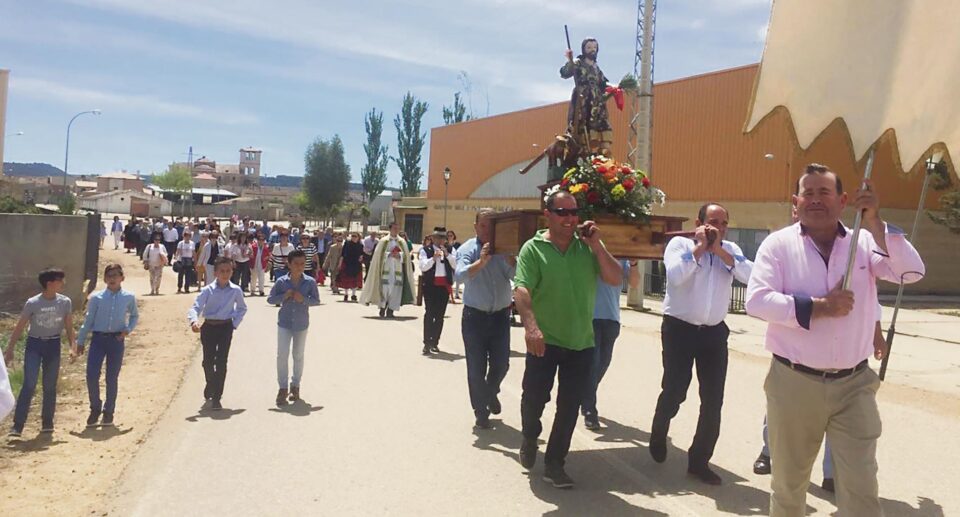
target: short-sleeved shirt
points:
(47, 317)
(608, 301)
(563, 289)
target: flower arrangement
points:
(604, 186)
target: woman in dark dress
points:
(351, 267)
(130, 236)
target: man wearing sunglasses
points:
(555, 292)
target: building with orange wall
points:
(700, 154)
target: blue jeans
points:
(605, 334)
(486, 343)
(39, 353)
(285, 337)
(827, 453)
(109, 347)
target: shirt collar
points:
(841, 229)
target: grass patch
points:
(950, 313)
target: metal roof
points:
(201, 191)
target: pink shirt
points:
(789, 272)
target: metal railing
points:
(655, 286)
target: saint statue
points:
(587, 118)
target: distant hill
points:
(30, 169)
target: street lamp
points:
(66, 157)
(446, 184)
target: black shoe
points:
(216, 405)
(344, 297)
(93, 418)
(828, 485)
(557, 477)
(426, 350)
(658, 447)
(353, 298)
(389, 314)
(591, 422)
(761, 467)
(482, 423)
(494, 406)
(704, 474)
(282, 397)
(107, 420)
(435, 349)
(528, 453)
(383, 312)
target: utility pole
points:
(640, 142)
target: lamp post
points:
(66, 157)
(446, 185)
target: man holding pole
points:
(821, 335)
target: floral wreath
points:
(604, 186)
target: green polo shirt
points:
(563, 287)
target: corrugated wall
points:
(699, 150)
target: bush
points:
(10, 205)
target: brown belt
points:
(825, 374)
(216, 322)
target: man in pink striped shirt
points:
(821, 336)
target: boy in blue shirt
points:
(296, 293)
(111, 317)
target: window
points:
(748, 239)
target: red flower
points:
(629, 183)
(564, 182)
(602, 169)
(626, 170)
(646, 182)
(593, 197)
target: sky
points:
(219, 75)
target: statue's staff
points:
(567, 32)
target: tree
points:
(327, 174)
(949, 202)
(373, 176)
(176, 178)
(410, 144)
(457, 112)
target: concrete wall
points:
(37, 242)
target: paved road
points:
(387, 431)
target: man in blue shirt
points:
(485, 323)
(295, 293)
(111, 316)
(606, 330)
(222, 307)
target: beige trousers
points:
(156, 274)
(800, 409)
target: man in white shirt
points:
(170, 238)
(700, 274)
(437, 266)
(184, 254)
(369, 245)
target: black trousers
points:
(216, 347)
(187, 275)
(686, 346)
(572, 369)
(435, 299)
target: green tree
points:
(949, 215)
(67, 204)
(176, 178)
(457, 112)
(373, 176)
(410, 144)
(11, 205)
(327, 174)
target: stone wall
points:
(36, 242)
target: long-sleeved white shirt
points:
(698, 292)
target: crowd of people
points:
(566, 287)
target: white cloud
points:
(83, 98)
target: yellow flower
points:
(579, 187)
(618, 192)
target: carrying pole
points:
(857, 223)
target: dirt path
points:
(70, 471)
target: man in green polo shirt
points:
(555, 290)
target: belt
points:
(825, 374)
(98, 333)
(488, 313)
(216, 322)
(690, 325)
(45, 338)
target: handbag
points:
(177, 266)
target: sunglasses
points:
(564, 212)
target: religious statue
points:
(587, 118)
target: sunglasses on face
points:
(564, 212)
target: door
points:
(413, 225)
